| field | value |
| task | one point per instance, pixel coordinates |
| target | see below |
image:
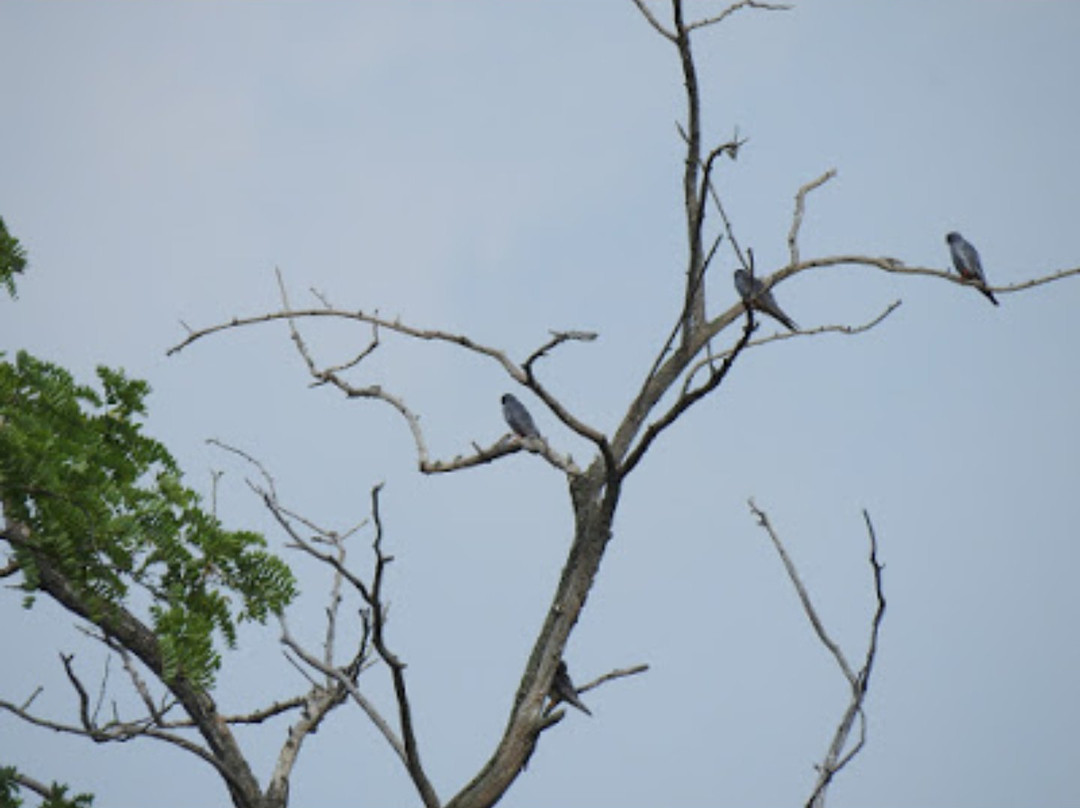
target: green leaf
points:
(12, 259)
(107, 507)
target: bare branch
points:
(835, 760)
(618, 673)
(655, 23)
(360, 357)
(564, 415)
(407, 748)
(731, 148)
(314, 708)
(804, 597)
(688, 398)
(797, 217)
(113, 732)
(896, 267)
(30, 699)
(334, 605)
(84, 699)
(693, 201)
(347, 682)
(835, 757)
(397, 667)
(554, 713)
(557, 338)
(846, 330)
(254, 717)
(736, 7)
(332, 375)
(429, 335)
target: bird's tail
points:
(989, 294)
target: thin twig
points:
(835, 757)
(800, 206)
(846, 330)
(687, 399)
(655, 23)
(804, 597)
(735, 7)
(618, 673)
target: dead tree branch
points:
(406, 747)
(846, 330)
(397, 667)
(618, 673)
(693, 201)
(800, 207)
(686, 373)
(332, 375)
(836, 758)
(736, 7)
(688, 398)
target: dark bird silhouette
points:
(518, 417)
(562, 689)
(966, 260)
(754, 294)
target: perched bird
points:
(518, 417)
(753, 293)
(966, 260)
(562, 689)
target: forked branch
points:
(374, 618)
(333, 375)
(859, 681)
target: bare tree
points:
(691, 363)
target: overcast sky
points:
(501, 169)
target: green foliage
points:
(9, 788)
(57, 796)
(106, 507)
(12, 259)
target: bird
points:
(966, 260)
(518, 417)
(753, 293)
(562, 689)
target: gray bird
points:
(518, 417)
(754, 294)
(966, 260)
(562, 689)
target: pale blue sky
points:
(504, 169)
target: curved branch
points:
(618, 673)
(688, 398)
(397, 667)
(736, 7)
(847, 330)
(349, 685)
(332, 375)
(429, 335)
(896, 267)
(114, 733)
(557, 338)
(800, 205)
(407, 748)
(38, 787)
(564, 415)
(835, 758)
(223, 752)
(655, 23)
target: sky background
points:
(502, 169)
